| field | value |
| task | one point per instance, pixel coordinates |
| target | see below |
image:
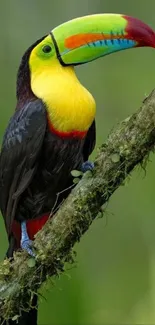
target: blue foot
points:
(25, 242)
(87, 165)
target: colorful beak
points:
(87, 38)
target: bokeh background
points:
(113, 281)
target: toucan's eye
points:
(47, 49)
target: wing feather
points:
(21, 147)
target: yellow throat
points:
(70, 106)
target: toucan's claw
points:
(26, 245)
(87, 165)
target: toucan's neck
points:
(70, 107)
(24, 92)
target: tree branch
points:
(127, 146)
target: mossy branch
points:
(127, 146)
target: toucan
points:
(52, 130)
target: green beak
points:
(87, 38)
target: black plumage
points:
(35, 164)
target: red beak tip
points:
(140, 32)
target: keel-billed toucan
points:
(52, 130)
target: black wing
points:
(21, 147)
(90, 141)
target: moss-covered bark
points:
(128, 145)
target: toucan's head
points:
(51, 61)
(87, 38)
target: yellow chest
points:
(70, 106)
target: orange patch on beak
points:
(78, 40)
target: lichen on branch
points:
(128, 145)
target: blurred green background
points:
(114, 279)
